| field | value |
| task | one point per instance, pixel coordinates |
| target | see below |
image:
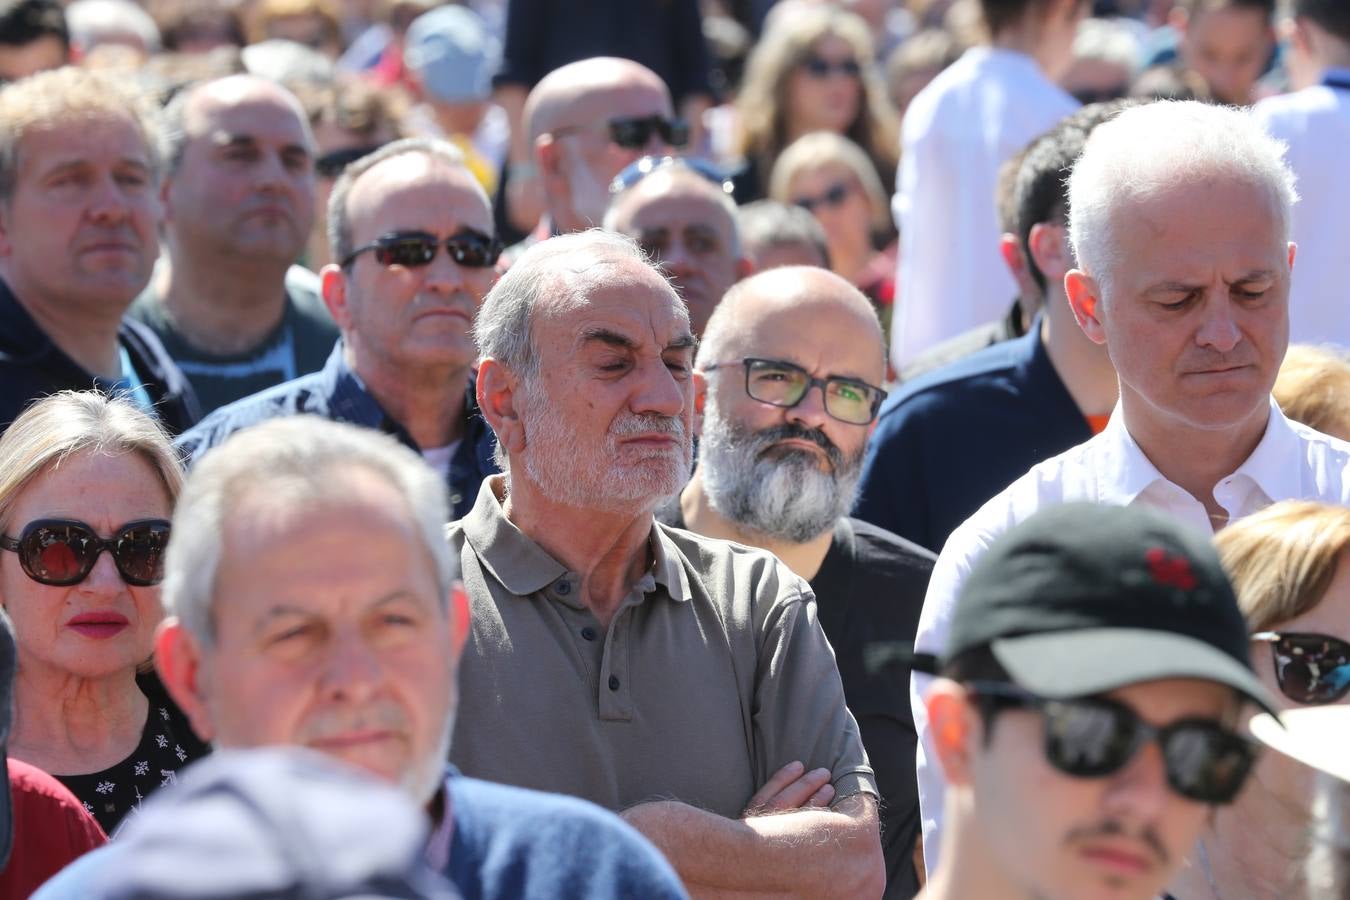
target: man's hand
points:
(791, 788)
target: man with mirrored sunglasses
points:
(785, 385)
(413, 231)
(583, 123)
(1086, 710)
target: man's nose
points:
(810, 410)
(353, 670)
(1139, 792)
(1219, 329)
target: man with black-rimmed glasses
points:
(786, 385)
(412, 230)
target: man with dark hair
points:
(1315, 123)
(33, 38)
(777, 234)
(227, 301)
(412, 230)
(1040, 394)
(1086, 707)
(957, 132)
(80, 169)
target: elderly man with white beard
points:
(778, 469)
(681, 680)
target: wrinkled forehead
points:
(623, 296)
(413, 189)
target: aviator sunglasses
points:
(1093, 737)
(61, 552)
(412, 249)
(1313, 669)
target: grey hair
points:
(560, 270)
(72, 95)
(671, 168)
(1151, 149)
(765, 224)
(296, 457)
(92, 22)
(339, 222)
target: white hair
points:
(1152, 149)
(561, 270)
(93, 22)
(298, 457)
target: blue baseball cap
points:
(453, 54)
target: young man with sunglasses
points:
(412, 230)
(680, 679)
(585, 121)
(1087, 708)
(957, 131)
(681, 213)
(234, 312)
(778, 466)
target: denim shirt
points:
(336, 392)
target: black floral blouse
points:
(167, 745)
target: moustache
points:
(648, 423)
(765, 439)
(336, 722)
(1114, 829)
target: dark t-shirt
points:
(167, 745)
(297, 346)
(869, 592)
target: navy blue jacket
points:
(336, 392)
(947, 442)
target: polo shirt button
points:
(614, 682)
(564, 587)
(588, 633)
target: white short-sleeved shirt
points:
(1292, 462)
(1315, 123)
(976, 114)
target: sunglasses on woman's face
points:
(62, 552)
(834, 196)
(413, 249)
(1093, 737)
(1310, 668)
(819, 67)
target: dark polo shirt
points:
(713, 674)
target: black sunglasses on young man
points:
(62, 552)
(1092, 737)
(780, 383)
(412, 249)
(1313, 669)
(634, 132)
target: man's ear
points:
(1085, 300)
(1293, 251)
(178, 660)
(955, 729)
(745, 267)
(333, 289)
(459, 617)
(496, 391)
(1011, 250)
(700, 398)
(1049, 251)
(548, 156)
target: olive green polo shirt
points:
(713, 674)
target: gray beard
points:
(787, 497)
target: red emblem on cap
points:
(1170, 571)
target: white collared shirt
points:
(979, 112)
(1315, 123)
(1292, 462)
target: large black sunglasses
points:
(834, 195)
(785, 384)
(1313, 669)
(635, 132)
(61, 552)
(331, 164)
(412, 249)
(1092, 737)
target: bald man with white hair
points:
(1179, 216)
(584, 122)
(779, 464)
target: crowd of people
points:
(674, 448)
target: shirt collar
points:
(1270, 464)
(348, 398)
(523, 567)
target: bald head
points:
(814, 305)
(192, 112)
(584, 91)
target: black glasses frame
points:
(31, 542)
(634, 132)
(750, 363)
(468, 248)
(1123, 746)
(1315, 654)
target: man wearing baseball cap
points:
(1086, 712)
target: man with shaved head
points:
(778, 469)
(585, 121)
(227, 302)
(682, 214)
